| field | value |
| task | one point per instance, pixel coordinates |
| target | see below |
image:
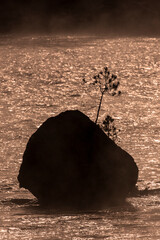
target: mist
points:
(120, 17)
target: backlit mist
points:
(120, 17)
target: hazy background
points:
(126, 17)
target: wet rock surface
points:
(69, 162)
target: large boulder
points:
(69, 162)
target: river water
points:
(40, 76)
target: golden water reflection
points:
(42, 76)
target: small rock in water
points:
(69, 162)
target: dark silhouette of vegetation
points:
(107, 83)
(109, 127)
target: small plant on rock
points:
(108, 83)
(109, 127)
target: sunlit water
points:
(40, 76)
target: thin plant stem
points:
(99, 107)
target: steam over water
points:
(40, 76)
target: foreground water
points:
(40, 76)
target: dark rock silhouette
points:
(69, 162)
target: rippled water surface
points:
(40, 76)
